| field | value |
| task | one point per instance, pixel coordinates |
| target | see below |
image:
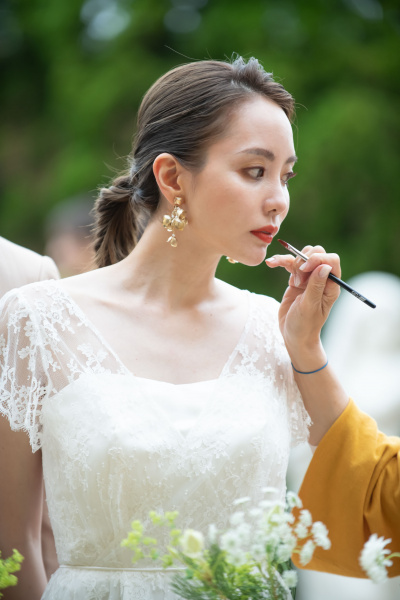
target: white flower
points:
(243, 500)
(271, 541)
(269, 490)
(293, 500)
(372, 558)
(266, 504)
(285, 550)
(284, 531)
(278, 519)
(301, 531)
(290, 578)
(212, 534)
(255, 513)
(306, 552)
(305, 518)
(192, 543)
(257, 551)
(237, 518)
(290, 518)
(230, 541)
(243, 532)
(320, 534)
(237, 558)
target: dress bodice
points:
(114, 446)
(181, 404)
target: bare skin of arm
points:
(48, 546)
(21, 503)
(304, 309)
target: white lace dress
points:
(113, 449)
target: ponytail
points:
(115, 229)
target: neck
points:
(180, 277)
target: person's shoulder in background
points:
(20, 266)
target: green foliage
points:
(249, 561)
(8, 566)
(70, 93)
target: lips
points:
(265, 234)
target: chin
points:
(252, 261)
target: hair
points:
(182, 114)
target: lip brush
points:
(342, 284)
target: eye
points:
(287, 176)
(256, 172)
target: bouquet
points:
(7, 567)
(250, 560)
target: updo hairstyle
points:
(184, 111)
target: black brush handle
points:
(352, 291)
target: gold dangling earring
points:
(232, 260)
(177, 220)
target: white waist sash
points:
(134, 569)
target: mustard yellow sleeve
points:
(353, 486)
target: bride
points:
(148, 383)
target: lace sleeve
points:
(24, 364)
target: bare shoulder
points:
(20, 266)
(92, 284)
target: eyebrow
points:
(267, 154)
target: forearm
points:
(21, 502)
(304, 309)
(48, 546)
(323, 396)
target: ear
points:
(169, 172)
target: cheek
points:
(218, 193)
(285, 212)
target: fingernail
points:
(272, 259)
(297, 280)
(302, 267)
(324, 271)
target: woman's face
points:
(238, 200)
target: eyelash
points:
(285, 179)
(289, 176)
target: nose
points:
(277, 200)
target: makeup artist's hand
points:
(307, 301)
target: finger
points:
(289, 262)
(320, 291)
(281, 260)
(298, 280)
(300, 277)
(309, 250)
(291, 293)
(317, 259)
(316, 286)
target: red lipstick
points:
(265, 234)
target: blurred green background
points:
(74, 72)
